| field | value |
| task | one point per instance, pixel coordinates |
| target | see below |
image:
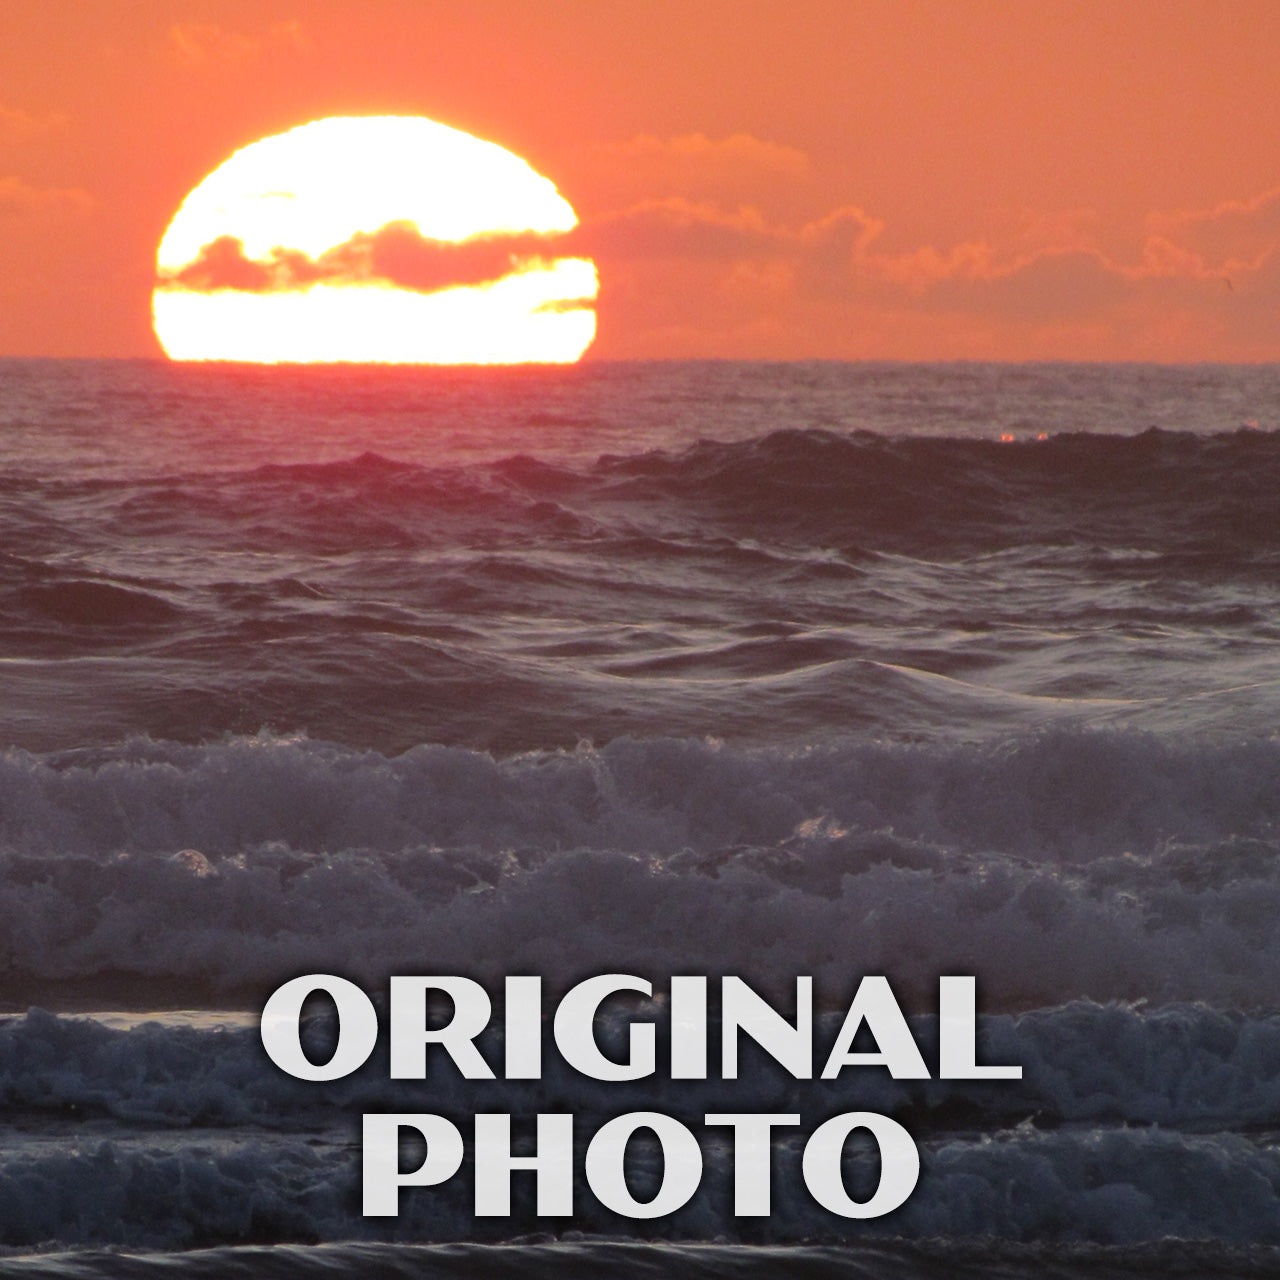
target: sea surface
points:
(762, 670)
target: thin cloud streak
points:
(20, 126)
(207, 43)
(396, 254)
(19, 199)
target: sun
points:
(373, 238)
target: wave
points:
(1062, 795)
(767, 589)
(985, 1259)
(1196, 500)
(1181, 1067)
(1110, 1187)
(1107, 865)
(1131, 1128)
(1182, 495)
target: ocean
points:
(762, 670)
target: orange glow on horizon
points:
(816, 179)
(347, 239)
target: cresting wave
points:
(1171, 492)
(1065, 864)
(1180, 1067)
(206, 1144)
(1112, 1187)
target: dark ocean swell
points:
(1179, 494)
(1172, 492)
(766, 590)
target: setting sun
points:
(373, 238)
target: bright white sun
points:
(373, 238)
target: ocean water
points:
(764, 670)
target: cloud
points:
(1055, 256)
(1027, 240)
(1260, 212)
(729, 216)
(678, 228)
(675, 227)
(1233, 238)
(735, 169)
(17, 125)
(695, 153)
(222, 264)
(699, 277)
(19, 199)
(205, 43)
(1057, 284)
(396, 254)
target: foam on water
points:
(1178, 1067)
(1108, 865)
(176, 1188)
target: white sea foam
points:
(1111, 1187)
(1106, 865)
(1176, 1066)
(1061, 796)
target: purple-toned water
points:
(716, 668)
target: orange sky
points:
(1007, 179)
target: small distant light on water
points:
(1006, 437)
(1043, 435)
